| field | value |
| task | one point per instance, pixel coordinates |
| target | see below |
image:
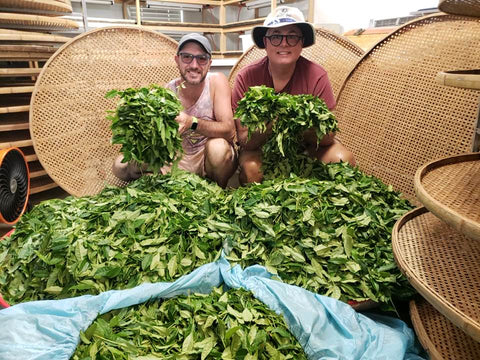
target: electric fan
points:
(14, 185)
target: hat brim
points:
(308, 32)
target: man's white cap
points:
(282, 16)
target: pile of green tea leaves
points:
(144, 124)
(156, 229)
(330, 236)
(290, 115)
(329, 233)
(220, 325)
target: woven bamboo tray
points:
(39, 5)
(450, 189)
(36, 21)
(30, 37)
(467, 79)
(68, 124)
(460, 7)
(439, 337)
(442, 265)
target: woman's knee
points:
(336, 153)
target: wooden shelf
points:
(42, 183)
(442, 265)
(467, 79)
(14, 109)
(19, 72)
(450, 189)
(16, 89)
(438, 336)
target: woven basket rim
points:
(461, 320)
(455, 219)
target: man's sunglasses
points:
(276, 39)
(188, 58)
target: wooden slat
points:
(28, 48)
(16, 143)
(14, 109)
(40, 184)
(17, 35)
(24, 56)
(37, 173)
(31, 158)
(16, 89)
(54, 193)
(19, 72)
(14, 126)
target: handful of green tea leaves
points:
(291, 116)
(144, 124)
(220, 325)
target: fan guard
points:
(14, 185)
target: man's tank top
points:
(202, 109)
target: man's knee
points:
(218, 152)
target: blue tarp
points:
(325, 327)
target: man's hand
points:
(184, 122)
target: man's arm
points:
(223, 127)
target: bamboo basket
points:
(37, 5)
(440, 338)
(392, 113)
(68, 124)
(450, 189)
(460, 7)
(442, 265)
(35, 21)
(30, 37)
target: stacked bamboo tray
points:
(23, 53)
(438, 248)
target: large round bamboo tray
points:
(460, 7)
(36, 21)
(335, 53)
(442, 265)
(68, 124)
(450, 189)
(391, 112)
(37, 5)
(439, 337)
(468, 79)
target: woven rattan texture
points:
(392, 113)
(460, 7)
(71, 135)
(36, 21)
(443, 266)
(457, 187)
(336, 54)
(40, 5)
(439, 336)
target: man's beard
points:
(184, 77)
